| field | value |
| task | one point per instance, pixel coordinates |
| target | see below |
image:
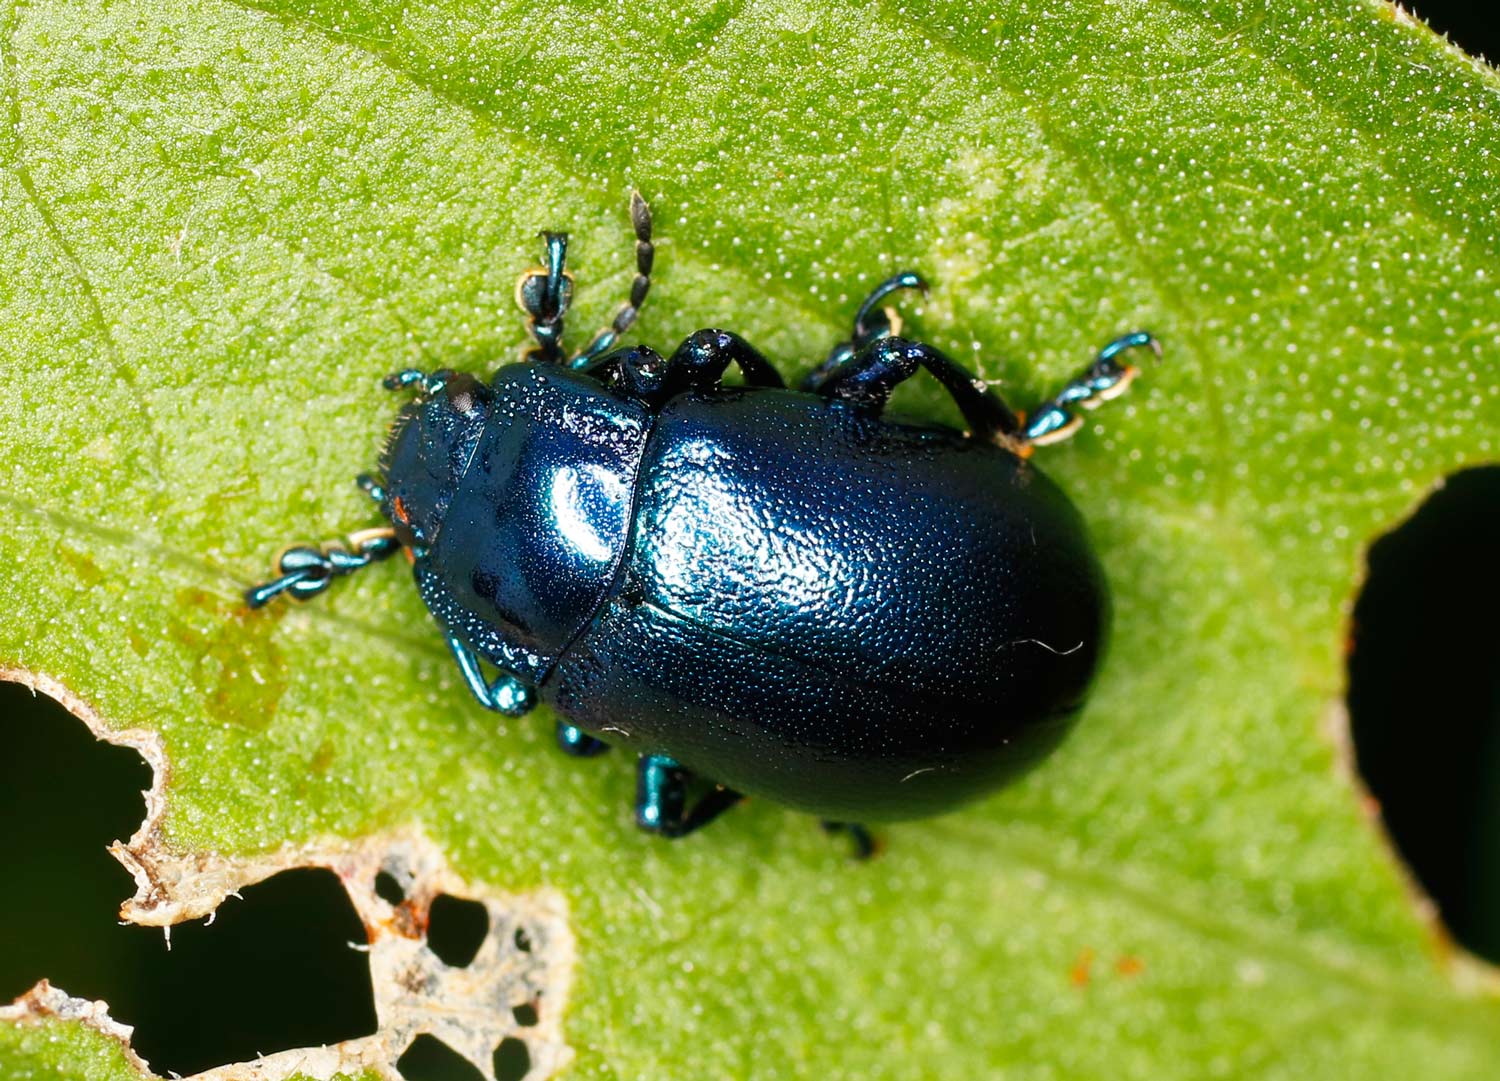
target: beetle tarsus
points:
(415, 377)
(370, 486)
(1054, 420)
(544, 294)
(871, 323)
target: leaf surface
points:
(220, 223)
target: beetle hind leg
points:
(661, 799)
(1055, 419)
(867, 379)
(865, 843)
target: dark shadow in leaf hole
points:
(273, 971)
(1474, 25)
(1424, 699)
(430, 1059)
(388, 889)
(456, 928)
(512, 1060)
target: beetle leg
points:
(507, 694)
(307, 571)
(635, 372)
(1106, 378)
(416, 377)
(865, 844)
(868, 378)
(661, 798)
(871, 323)
(544, 294)
(578, 743)
(700, 361)
(625, 315)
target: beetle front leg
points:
(507, 694)
(544, 294)
(425, 382)
(661, 798)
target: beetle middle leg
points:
(661, 798)
(871, 323)
(697, 364)
(574, 741)
(703, 357)
(867, 379)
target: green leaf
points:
(221, 223)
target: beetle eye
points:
(466, 394)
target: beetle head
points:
(429, 448)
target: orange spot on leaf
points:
(1082, 968)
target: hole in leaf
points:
(430, 1059)
(456, 928)
(523, 940)
(273, 971)
(526, 1014)
(1424, 699)
(512, 1060)
(388, 889)
(1472, 26)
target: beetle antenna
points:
(307, 571)
(625, 315)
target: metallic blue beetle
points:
(779, 590)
